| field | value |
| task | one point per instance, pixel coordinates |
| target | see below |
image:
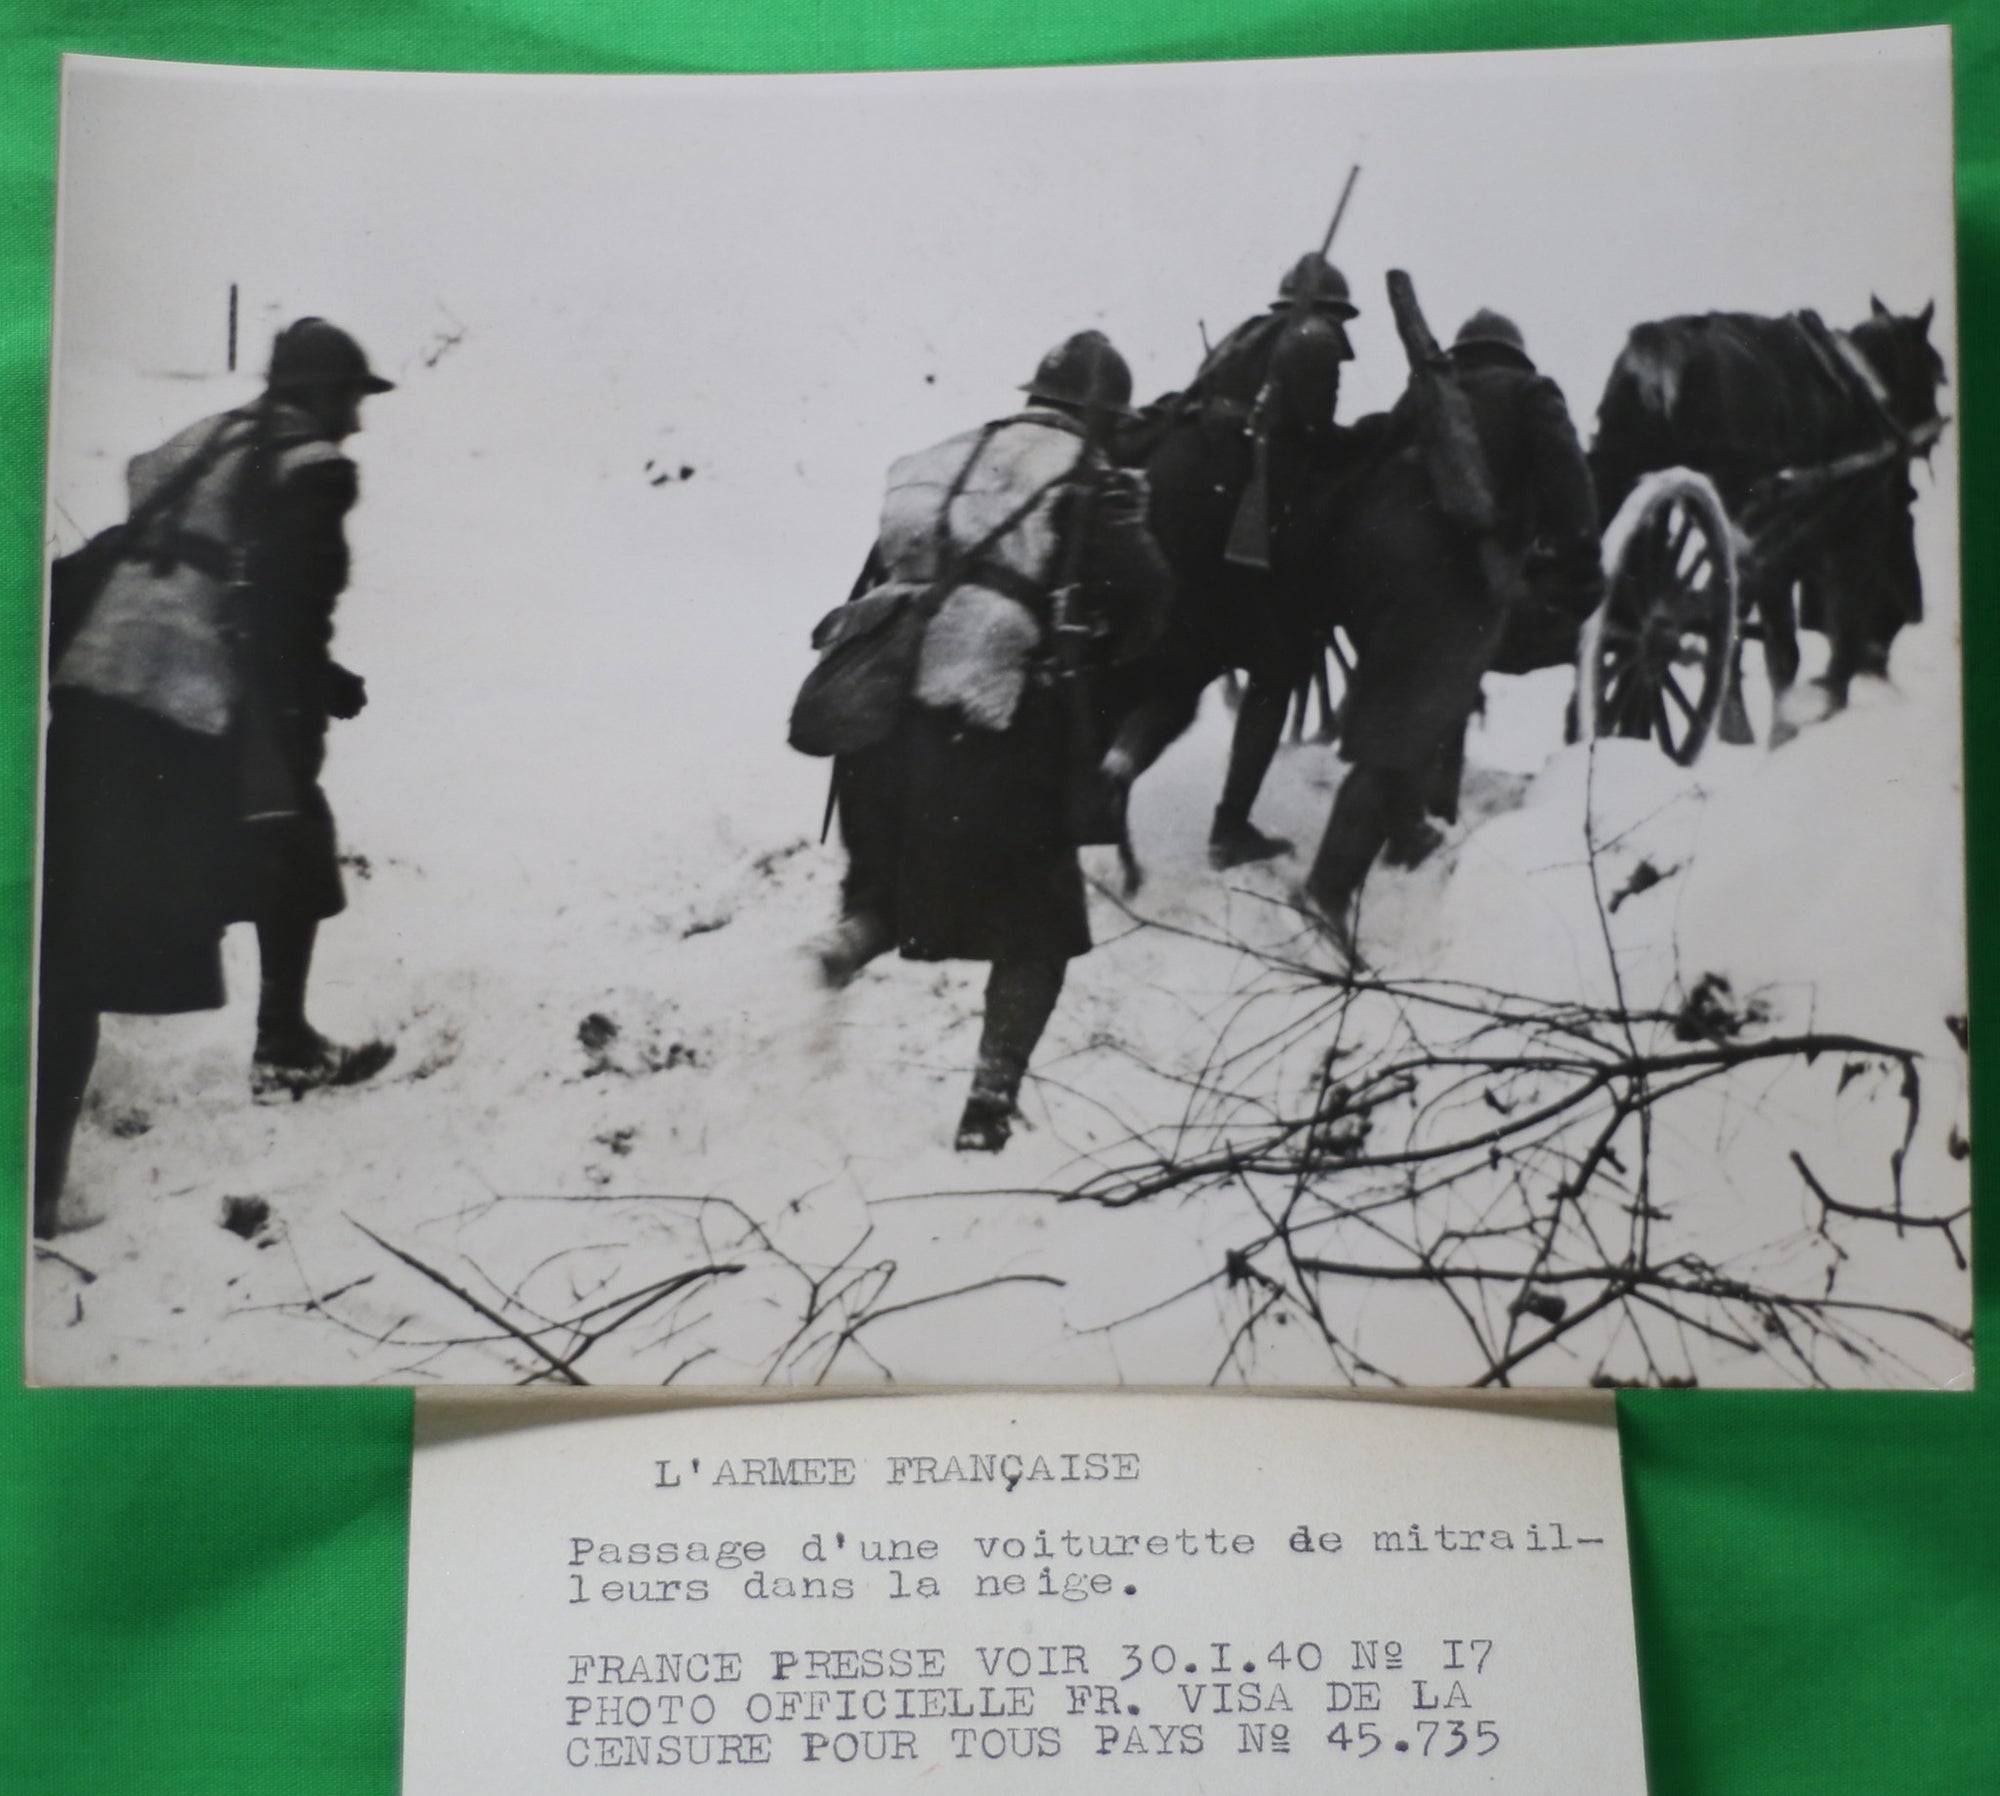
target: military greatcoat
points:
(955, 827)
(189, 701)
(1416, 593)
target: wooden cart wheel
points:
(1656, 658)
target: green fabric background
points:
(202, 1591)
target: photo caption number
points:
(1364, 1739)
(1438, 1739)
(1163, 1659)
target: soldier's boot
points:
(842, 951)
(1020, 997)
(1413, 844)
(1371, 803)
(1233, 840)
(290, 1063)
(66, 1049)
(292, 1057)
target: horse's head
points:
(1872, 580)
(1898, 348)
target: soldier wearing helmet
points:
(1491, 339)
(1264, 399)
(1237, 367)
(1434, 612)
(1082, 373)
(956, 825)
(191, 686)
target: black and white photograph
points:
(1270, 723)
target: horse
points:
(1750, 401)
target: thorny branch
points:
(834, 1304)
(629, 1306)
(1527, 1162)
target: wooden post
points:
(232, 327)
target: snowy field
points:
(626, 1137)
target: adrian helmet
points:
(309, 352)
(1487, 329)
(1083, 371)
(1312, 281)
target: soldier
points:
(1433, 601)
(1256, 435)
(190, 691)
(1237, 367)
(958, 827)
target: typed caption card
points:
(1002, 1592)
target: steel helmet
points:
(310, 352)
(1314, 281)
(1491, 330)
(1083, 371)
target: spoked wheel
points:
(1656, 658)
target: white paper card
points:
(1005, 1592)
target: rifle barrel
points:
(1340, 211)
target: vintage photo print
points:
(1271, 723)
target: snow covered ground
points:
(617, 485)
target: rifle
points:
(1448, 439)
(1094, 806)
(1249, 542)
(268, 788)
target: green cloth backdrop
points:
(203, 1591)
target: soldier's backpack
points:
(141, 602)
(867, 658)
(868, 648)
(75, 580)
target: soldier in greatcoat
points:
(1254, 432)
(1429, 604)
(191, 686)
(957, 827)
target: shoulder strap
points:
(173, 493)
(941, 525)
(953, 567)
(258, 477)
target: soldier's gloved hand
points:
(346, 692)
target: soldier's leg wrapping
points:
(285, 955)
(291, 1056)
(1020, 998)
(1260, 726)
(1448, 775)
(1413, 838)
(1373, 802)
(65, 1051)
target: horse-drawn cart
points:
(1689, 577)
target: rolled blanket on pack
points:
(977, 655)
